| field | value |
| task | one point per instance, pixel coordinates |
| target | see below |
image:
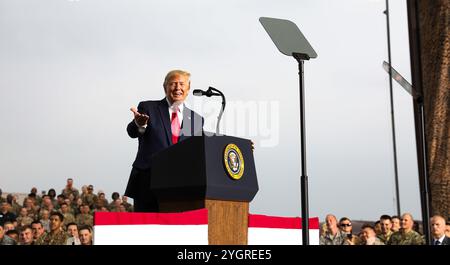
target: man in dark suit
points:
(158, 125)
(438, 231)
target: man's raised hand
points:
(141, 119)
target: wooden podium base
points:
(227, 222)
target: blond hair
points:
(176, 73)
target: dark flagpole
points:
(394, 141)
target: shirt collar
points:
(441, 239)
(171, 107)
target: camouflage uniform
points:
(409, 238)
(68, 218)
(385, 238)
(128, 206)
(58, 238)
(23, 221)
(66, 192)
(6, 240)
(328, 239)
(40, 240)
(90, 199)
(85, 219)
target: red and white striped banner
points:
(191, 228)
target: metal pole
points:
(394, 141)
(304, 177)
(419, 113)
(424, 192)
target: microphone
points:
(208, 93)
(212, 92)
(198, 92)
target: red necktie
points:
(175, 125)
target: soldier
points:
(14, 234)
(32, 209)
(68, 217)
(386, 225)
(102, 201)
(47, 203)
(127, 205)
(14, 206)
(85, 235)
(23, 218)
(406, 235)
(346, 226)
(4, 239)
(26, 236)
(57, 236)
(395, 223)
(369, 237)
(72, 230)
(37, 199)
(333, 236)
(84, 218)
(38, 231)
(90, 198)
(69, 189)
(45, 221)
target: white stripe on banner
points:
(276, 230)
(191, 228)
(186, 228)
(280, 236)
(151, 235)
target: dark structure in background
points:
(429, 33)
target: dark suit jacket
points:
(446, 241)
(157, 137)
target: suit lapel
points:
(164, 114)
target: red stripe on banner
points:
(196, 217)
(266, 221)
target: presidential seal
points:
(233, 161)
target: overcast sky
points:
(70, 71)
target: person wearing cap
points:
(158, 125)
(90, 198)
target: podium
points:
(213, 172)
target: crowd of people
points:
(51, 219)
(67, 219)
(388, 230)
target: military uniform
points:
(68, 218)
(58, 238)
(328, 239)
(409, 238)
(40, 240)
(128, 206)
(385, 238)
(6, 240)
(85, 219)
(66, 192)
(90, 199)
